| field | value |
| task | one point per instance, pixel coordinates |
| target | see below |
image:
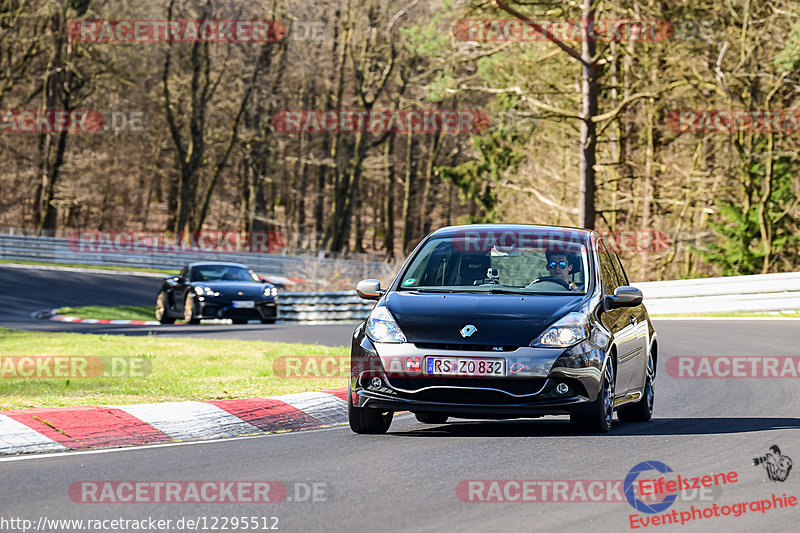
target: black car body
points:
(505, 347)
(216, 290)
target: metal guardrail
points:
(58, 250)
(763, 292)
(323, 306)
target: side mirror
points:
(624, 297)
(177, 279)
(369, 289)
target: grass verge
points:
(180, 369)
(118, 312)
(131, 268)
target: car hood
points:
(500, 319)
(233, 288)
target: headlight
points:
(205, 291)
(381, 326)
(570, 329)
(270, 291)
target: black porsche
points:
(216, 290)
(505, 321)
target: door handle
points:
(633, 320)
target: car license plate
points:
(464, 366)
(244, 304)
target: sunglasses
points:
(560, 264)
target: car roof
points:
(219, 263)
(455, 230)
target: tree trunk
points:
(586, 213)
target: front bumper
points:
(530, 390)
(219, 308)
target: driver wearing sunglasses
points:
(559, 266)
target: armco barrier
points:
(762, 292)
(56, 250)
(323, 306)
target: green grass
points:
(131, 268)
(181, 369)
(119, 312)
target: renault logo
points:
(468, 330)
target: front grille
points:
(465, 347)
(467, 389)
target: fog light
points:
(376, 383)
(562, 388)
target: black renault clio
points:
(504, 321)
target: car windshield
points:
(496, 263)
(221, 273)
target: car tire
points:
(642, 410)
(188, 311)
(239, 320)
(596, 416)
(431, 418)
(367, 421)
(161, 309)
(268, 320)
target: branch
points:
(569, 50)
(542, 198)
(517, 90)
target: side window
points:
(623, 278)
(607, 273)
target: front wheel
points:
(268, 320)
(189, 315)
(642, 410)
(367, 421)
(161, 310)
(595, 417)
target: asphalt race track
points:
(406, 480)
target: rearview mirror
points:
(369, 289)
(624, 296)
